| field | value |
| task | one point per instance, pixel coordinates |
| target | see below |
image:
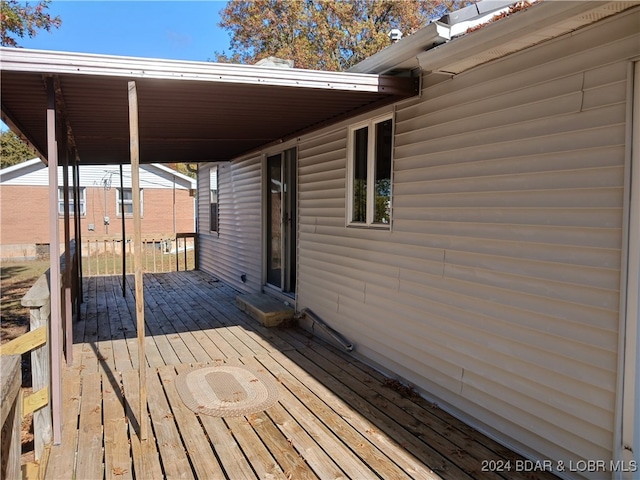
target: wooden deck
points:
(336, 417)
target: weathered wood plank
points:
(104, 353)
(174, 458)
(126, 329)
(63, 459)
(463, 436)
(10, 447)
(121, 356)
(152, 353)
(320, 430)
(386, 444)
(137, 244)
(40, 318)
(366, 449)
(292, 463)
(227, 449)
(218, 307)
(343, 387)
(90, 459)
(117, 456)
(320, 461)
(205, 463)
(171, 325)
(181, 321)
(145, 456)
(255, 451)
(335, 419)
(79, 325)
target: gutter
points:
(433, 35)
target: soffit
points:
(188, 111)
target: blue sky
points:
(181, 30)
(178, 30)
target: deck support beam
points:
(137, 251)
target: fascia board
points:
(186, 180)
(542, 21)
(60, 63)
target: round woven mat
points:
(227, 390)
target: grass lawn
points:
(16, 278)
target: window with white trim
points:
(125, 196)
(369, 186)
(81, 201)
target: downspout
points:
(337, 336)
(124, 238)
(66, 280)
(54, 269)
(174, 210)
(78, 232)
(626, 447)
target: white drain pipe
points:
(337, 336)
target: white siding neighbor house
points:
(478, 241)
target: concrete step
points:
(267, 310)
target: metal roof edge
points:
(20, 166)
(58, 63)
(542, 21)
(171, 171)
(447, 48)
(432, 35)
(405, 49)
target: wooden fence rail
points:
(11, 415)
(15, 405)
(160, 253)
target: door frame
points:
(288, 288)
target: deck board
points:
(117, 459)
(196, 442)
(335, 418)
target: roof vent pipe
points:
(337, 336)
(395, 35)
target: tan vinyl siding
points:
(236, 247)
(497, 289)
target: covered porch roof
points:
(188, 111)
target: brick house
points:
(167, 204)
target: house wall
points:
(24, 208)
(25, 211)
(496, 293)
(236, 248)
(497, 289)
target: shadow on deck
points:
(335, 418)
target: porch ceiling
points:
(188, 111)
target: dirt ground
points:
(16, 278)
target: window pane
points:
(213, 217)
(127, 194)
(360, 140)
(71, 201)
(384, 132)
